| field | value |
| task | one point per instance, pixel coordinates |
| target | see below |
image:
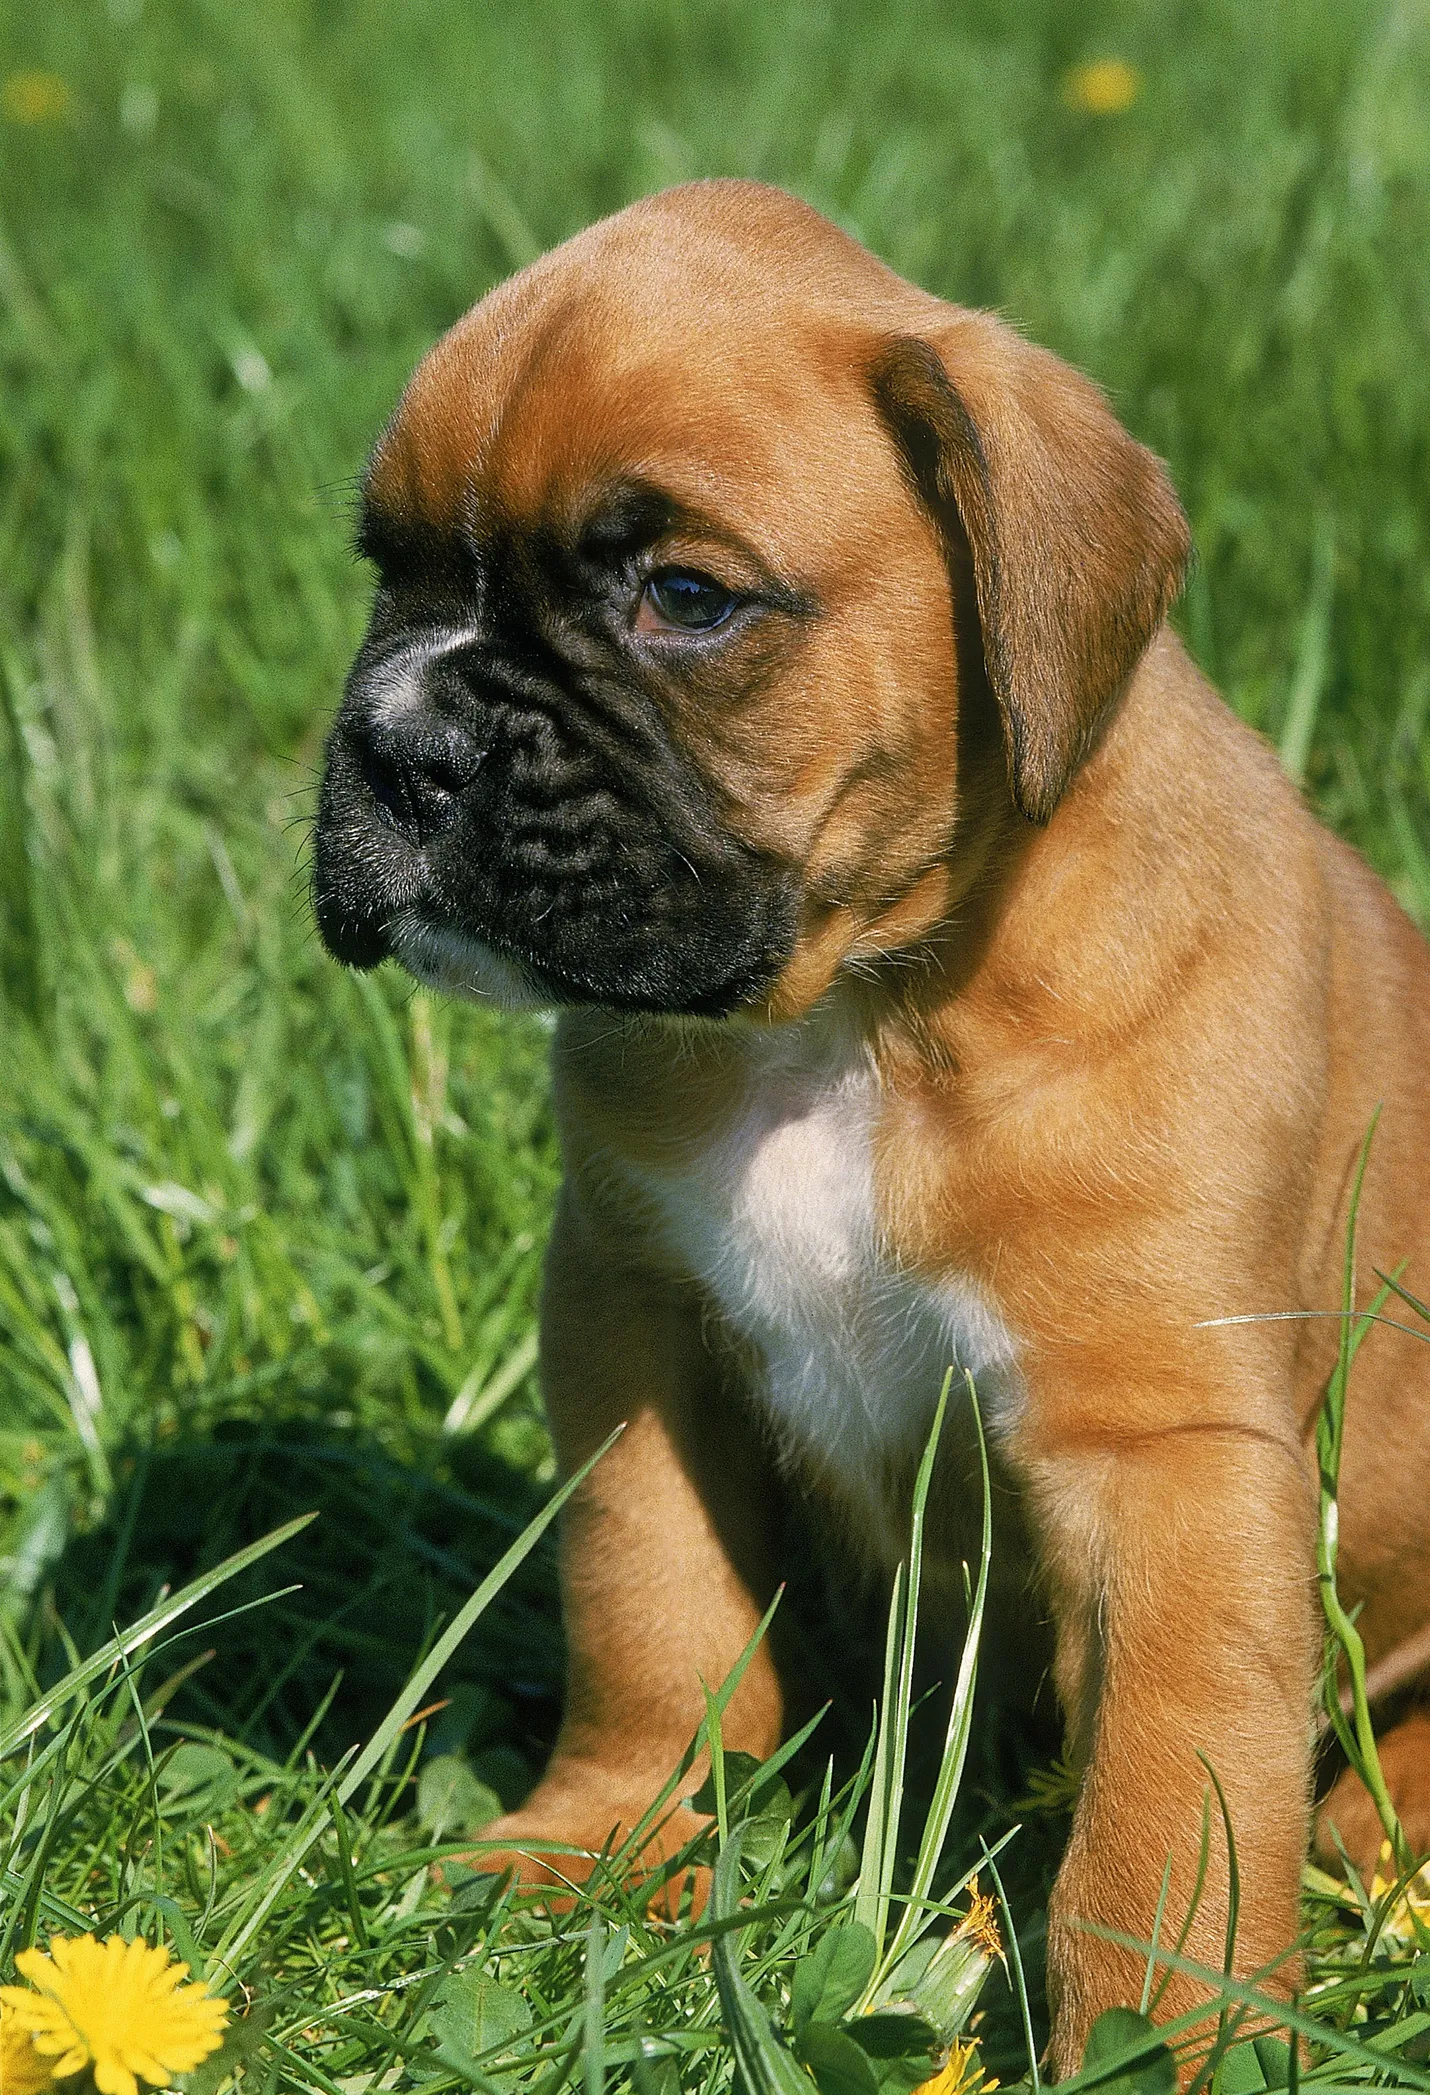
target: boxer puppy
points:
(768, 667)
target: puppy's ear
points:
(1076, 540)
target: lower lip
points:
(461, 966)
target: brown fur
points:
(1131, 1008)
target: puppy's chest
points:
(775, 1215)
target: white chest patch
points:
(775, 1216)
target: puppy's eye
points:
(683, 600)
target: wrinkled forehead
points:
(736, 396)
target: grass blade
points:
(1356, 1733)
(869, 1897)
(593, 2027)
(1015, 1959)
(960, 1723)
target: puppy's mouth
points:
(504, 837)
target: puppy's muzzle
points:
(501, 834)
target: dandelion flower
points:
(1103, 87)
(980, 1923)
(119, 2006)
(960, 2074)
(23, 2070)
(1408, 1918)
(36, 98)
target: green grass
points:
(268, 1234)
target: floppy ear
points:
(1076, 539)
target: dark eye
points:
(682, 598)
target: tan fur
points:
(1348, 1822)
(1130, 1011)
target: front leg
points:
(1180, 1564)
(665, 1550)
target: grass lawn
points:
(269, 1234)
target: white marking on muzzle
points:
(394, 687)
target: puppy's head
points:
(713, 559)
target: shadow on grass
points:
(390, 1558)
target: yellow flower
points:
(22, 2070)
(980, 1923)
(1103, 87)
(960, 2074)
(121, 2006)
(36, 98)
(1408, 1920)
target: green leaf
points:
(766, 1836)
(194, 1766)
(771, 1799)
(450, 1799)
(1137, 2062)
(960, 1716)
(654, 2071)
(838, 2065)
(593, 2007)
(841, 1868)
(473, 2015)
(1240, 2071)
(902, 2076)
(895, 2036)
(1260, 2063)
(1274, 2057)
(831, 1978)
(900, 2049)
(740, 1770)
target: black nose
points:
(416, 769)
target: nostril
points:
(416, 775)
(386, 789)
(434, 808)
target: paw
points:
(556, 1841)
